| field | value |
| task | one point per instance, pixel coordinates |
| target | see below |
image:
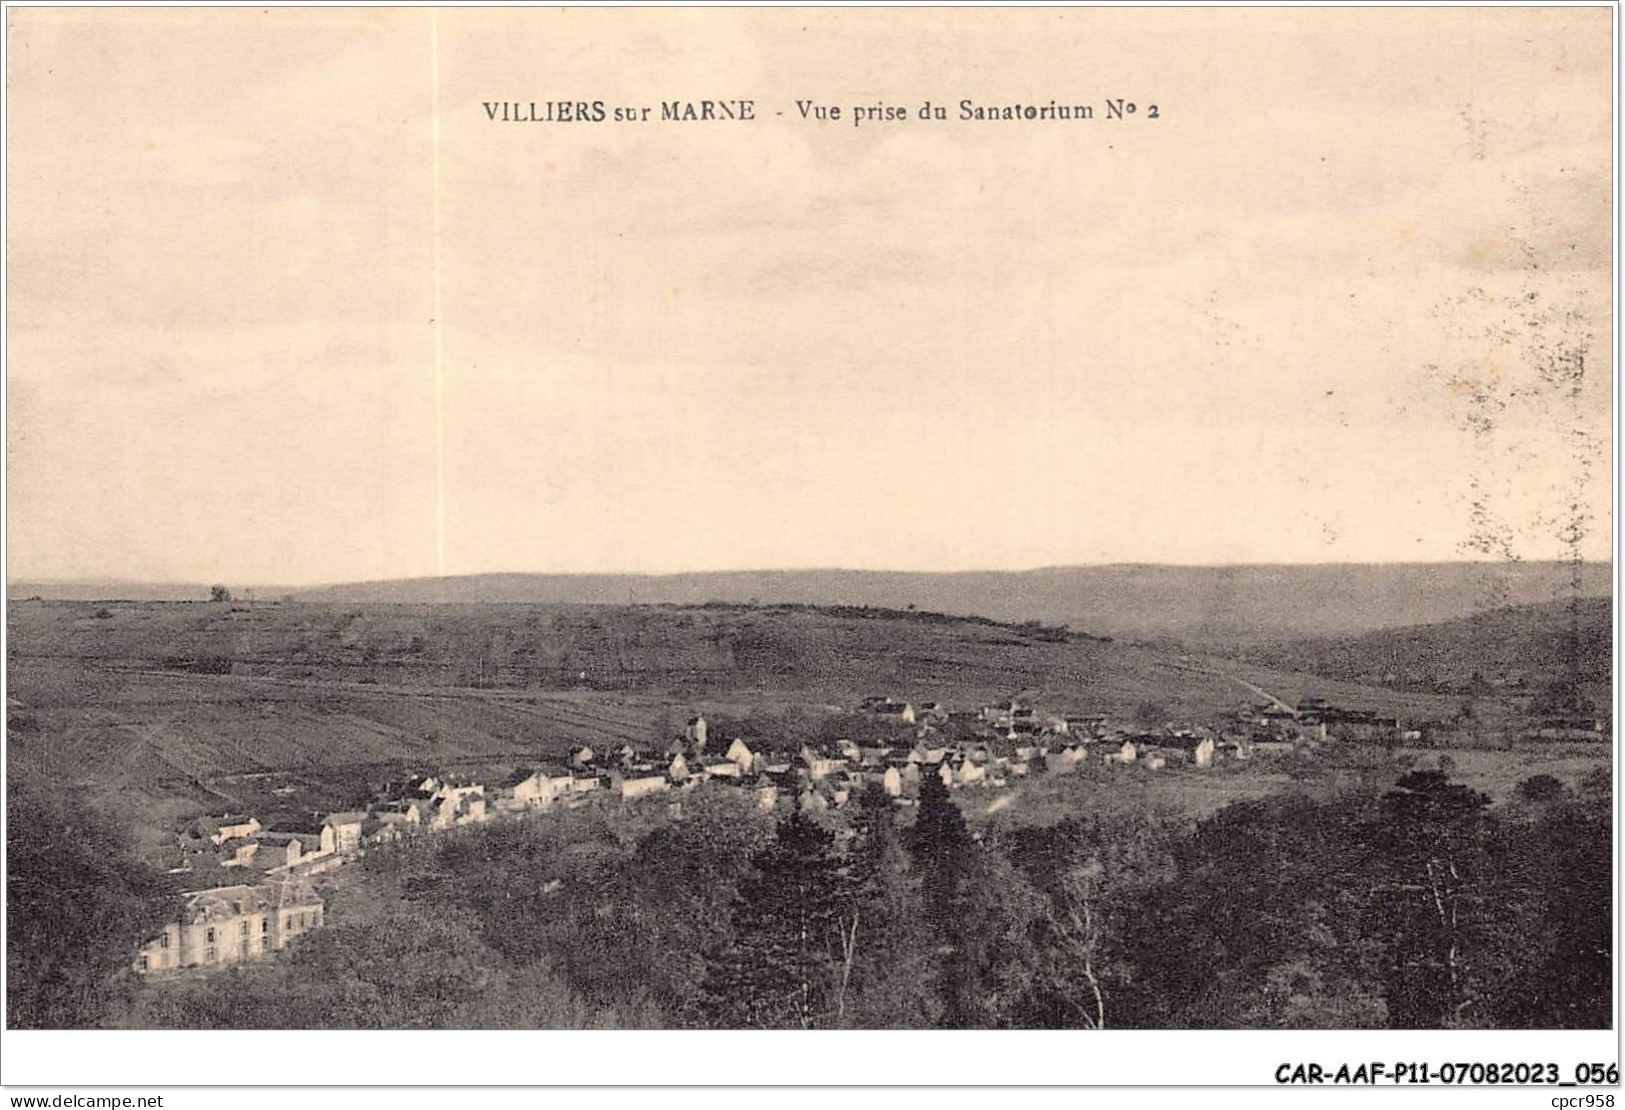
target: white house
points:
(969, 773)
(695, 732)
(341, 832)
(457, 805)
(1086, 724)
(230, 925)
(892, 783)
(279, 850)
(741, 755)
(382, 828)
(233, 826)
(820, 766)
(900, 712)
(542, 787)
(640, 784)
(721, 768)
(1187, 747)
(413, 809)
(1000, 715)
(239, 852)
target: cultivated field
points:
(160, 710)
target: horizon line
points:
(760, 570)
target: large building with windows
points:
(232, 925)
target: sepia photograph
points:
(1087, 520)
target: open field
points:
(732, 653)
(166, 709)
(1497, 771)
(161, 745)
(1121, 791)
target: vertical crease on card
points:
(439, 369)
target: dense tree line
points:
(1414, 904)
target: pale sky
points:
(1325, 303)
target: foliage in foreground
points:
(78, 904)
(1413, 906)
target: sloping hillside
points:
(1524, 647)
(669, 652)
(1205, 605)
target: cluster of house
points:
(1315, 719)
(1009, 737)
(225, 925)
(1010, 742)
(987, 747)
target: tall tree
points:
(783, 968)
(996, 965)
(886, 947)
(944, 854)
(1431, 900)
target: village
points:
(987, 748)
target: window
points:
(143, 963)
(163, 941)
(265, 925)
(209, 954)
(210, 937)
(287, 922)
(242, 948)
(242, 928)
(304, 921)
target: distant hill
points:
(1522, 648)
(1207, 606)
(1197, 605)
(109, 589)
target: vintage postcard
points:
(1095, 521)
